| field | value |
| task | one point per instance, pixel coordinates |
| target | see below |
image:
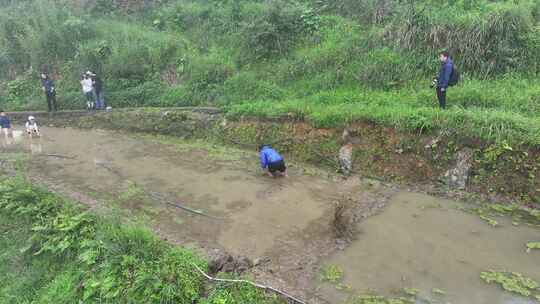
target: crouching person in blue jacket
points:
(271, 160)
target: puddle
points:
(424, 243)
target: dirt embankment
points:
(497, 171)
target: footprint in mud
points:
(267, 193)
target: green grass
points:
(331, 64)
(52, 251)
(410, 113)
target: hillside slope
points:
(329, 63)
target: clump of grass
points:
(411, 291)
(532, 246)
(511, 281)
(438, 291)
(518, 213)
(331, 273)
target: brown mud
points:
(284, 222)
(285, 225)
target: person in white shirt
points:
(87, 87)
(32, 128)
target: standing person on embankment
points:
(88, 88)
(50, 92)
(5, 124)
(98, 91)
(271, 160)
(443, 81)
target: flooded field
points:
(215, 197)
(426, 243)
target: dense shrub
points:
(146, 93)
(486, 38)
(276, 29)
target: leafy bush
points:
(147, 93)
(21, 87)
(176, 97)
(276, 30)
(486, 38)
(247, 87)
(207, 75)
(382, 68)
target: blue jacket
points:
(48, 84)
(5, 123)
(445, 73)
(269, 156)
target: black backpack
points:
(454, 77)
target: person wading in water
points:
(271, 160)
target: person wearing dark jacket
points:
(50, 93)
(447, 66)
(5, 124)
(98, 90)
(271, 160)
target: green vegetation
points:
(370, 299)
(52, 251)
(517, 212)
(438, 291)
(512, 282)
(411, 291)
(331, 273)
(532, 245)
(326, 62)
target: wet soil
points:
(283, 224)
(284, 221)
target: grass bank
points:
(53, 251)
(503, 171)
(329, 64)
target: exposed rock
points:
(345, 158)
(458, 176)
(220, 261)
(432, 144)
(346, 136)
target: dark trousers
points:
(51, 101)
(441, 95)
(100, 103)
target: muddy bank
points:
(497, 171)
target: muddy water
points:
(416, 242)
(254, 211)
(424, 243)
